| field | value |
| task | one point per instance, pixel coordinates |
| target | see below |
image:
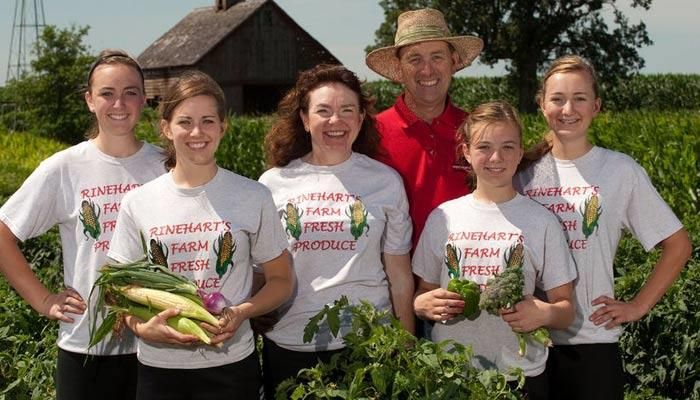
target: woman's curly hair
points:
(287, 140)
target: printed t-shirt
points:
(339, 220)
(80, 189)
(425, 155)
(595, 198)
(211, 234)
(476, 240)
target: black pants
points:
(79, 376)
(240, 381)
(585, 371)
(280, 364)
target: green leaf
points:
(104, 329)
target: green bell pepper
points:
(470, 293)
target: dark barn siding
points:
(255, 62)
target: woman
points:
(80, 189)
(345, 215)
(596, 193)
(476, 236)
(211, 225)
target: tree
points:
(531, 33)
(49, 99)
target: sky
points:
(344, 27)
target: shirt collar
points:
(451, 115)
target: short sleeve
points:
(427, 258)
(558, 266)
(126, 243)
(399, 228)
(36, 206)
(269, 241)
(648, 216)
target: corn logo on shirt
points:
(338, 221)
(468, 239)
(596, 198)
(212, 234)
(80, 189)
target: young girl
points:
(472, 237)
(596, 193)
(80, 189)
(211, 225)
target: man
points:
(418, 131)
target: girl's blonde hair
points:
(479, 119)
(564, 64)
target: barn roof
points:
(196, 34)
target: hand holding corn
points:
(167, 303)
(230, 321)
(157, 329)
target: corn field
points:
(661, 352)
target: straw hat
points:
(418, 26)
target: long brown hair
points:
(287, 139)
(110, 57)
(189, 84)
(569, 63)
(479, 119)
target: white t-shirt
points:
(80, 189)
(625, 199)
(211, 234)
(339, 220)
(481, 237)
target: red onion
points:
(214, 302)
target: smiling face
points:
(426, 73)
(116, 98)
(195, 129)
(494, 153)
(333, 120)
(569, 104)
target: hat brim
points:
(385, 61)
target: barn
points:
(252, 48)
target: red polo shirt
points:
(425, 156)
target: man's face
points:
(426, 72)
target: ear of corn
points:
(157, 253)
(292, 217)
(224, 252)
(162, 300)
(180, 323)
(148, 284)
(88, 213)
(516, 256)
(452, 260)
(357, 212)
(592, 210)
(358, 218)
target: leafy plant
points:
(21, 153)
(381, 360)
(28, 341)
(662, 350)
